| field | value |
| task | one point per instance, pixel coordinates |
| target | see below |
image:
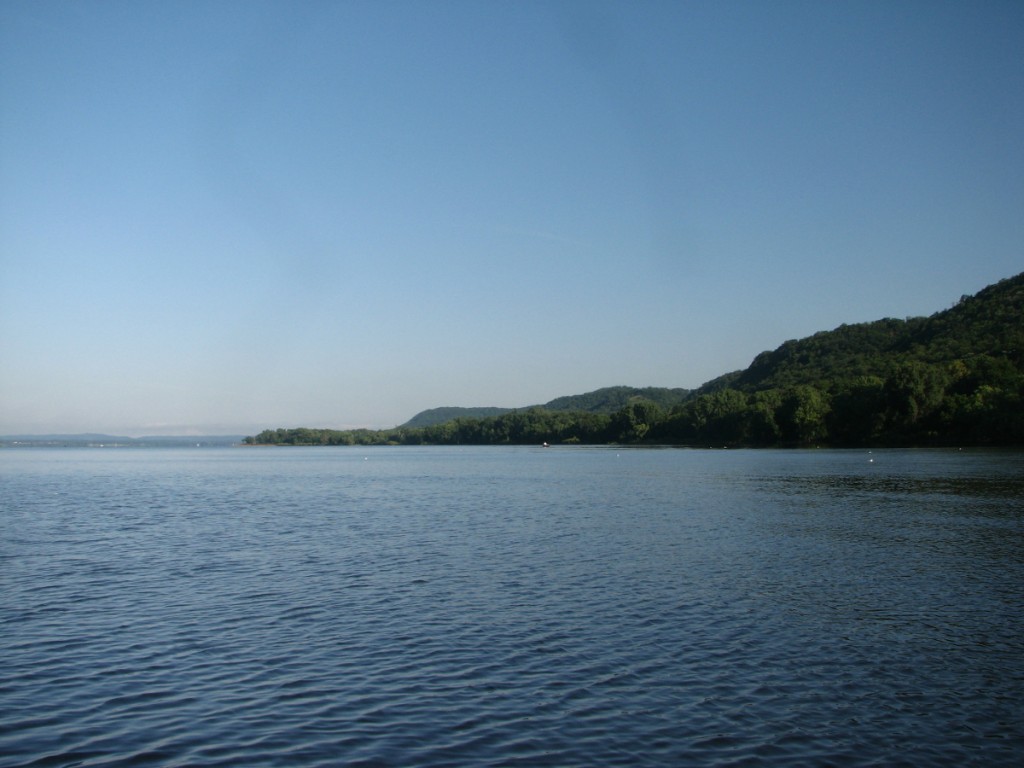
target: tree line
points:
(955, 378)
(974, 402)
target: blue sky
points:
(218, 217)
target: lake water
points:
(511, 606)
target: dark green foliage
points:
(632, 423)
(612, 399)
(912, 393)
(956, 377)
(716, 418)
(801, 416)
(858, 411)
(605, 400)
(846, 352)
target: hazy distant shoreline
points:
(91, 440)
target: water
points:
(510, 606)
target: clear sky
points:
(220, 216)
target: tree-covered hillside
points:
(988, 323)
(605, 400)
(956, 377)
(612, 399)
(953, 377)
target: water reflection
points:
(971, 487)
(911, 558)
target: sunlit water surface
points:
(510, 606)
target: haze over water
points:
(511, 606)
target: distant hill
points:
(605, 400)
(612, 399)
(433, 416)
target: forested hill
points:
(954, 378)
(605, 400)
(612, 399)
(988, 324)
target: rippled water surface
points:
(510, 606)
